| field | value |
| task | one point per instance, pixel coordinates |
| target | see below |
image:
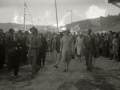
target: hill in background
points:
(98, 24)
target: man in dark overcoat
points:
(89, 47)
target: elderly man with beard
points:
(33, 42)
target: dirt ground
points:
(105, 76)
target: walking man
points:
(67, 49)
(89, 47)
(56, 48)
(33, 42)
(42, 52)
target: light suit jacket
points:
(34, 43)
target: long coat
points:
(79, 45)
(66, 47)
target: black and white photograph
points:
(59, 44)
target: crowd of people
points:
(108, 45)
(18, 48)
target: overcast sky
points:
(44, 10)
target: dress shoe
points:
(64, 70)
(55, 66)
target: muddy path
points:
(105, 76)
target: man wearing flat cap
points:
(33, 42)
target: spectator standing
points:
(1, 48)
(25, 48)
(115, 47)
(10, 49)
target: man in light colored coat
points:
(33, 42)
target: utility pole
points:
(24, 17)
(70, 11)
(38, 23)
(56, 14)
(71, 16)
(100, 24)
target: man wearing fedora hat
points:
(33, 42)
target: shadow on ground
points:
(99, 82)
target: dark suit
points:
(42, 51)
(13, 46)
(110, 47)
(20, 37)
(18, 47)
(10, 50)
(119, 48)
(58, 44)
(2, 53)
(25, 49)
(89, 43)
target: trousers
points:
(57, 56)
(88, 58)
(42, 55)
(33, 62)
